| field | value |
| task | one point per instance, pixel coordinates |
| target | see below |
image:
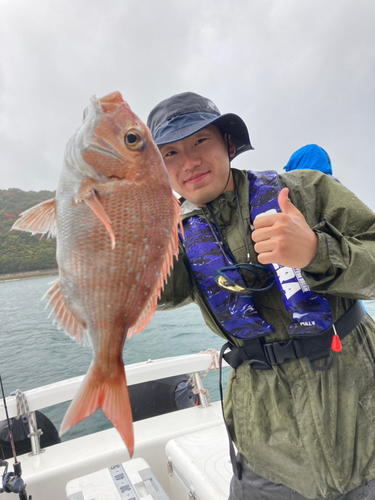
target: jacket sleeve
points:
(345, 261)
(178, 290)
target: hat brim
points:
(229, 123)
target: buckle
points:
(280, 352)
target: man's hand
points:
(284, 238)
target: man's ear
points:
(230, 145)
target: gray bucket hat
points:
(185, 114)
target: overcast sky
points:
(297, 71)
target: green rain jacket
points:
(313, 431)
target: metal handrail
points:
(59, 392)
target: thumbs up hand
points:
(284, 238)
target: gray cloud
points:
(297, 72)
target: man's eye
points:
(199, 141)
(170, 153)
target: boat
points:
(49, 473)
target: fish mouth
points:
(85, 140)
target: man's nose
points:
(191, 160)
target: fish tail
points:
(110, 393)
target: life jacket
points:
(237, 314)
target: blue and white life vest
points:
(311, 312)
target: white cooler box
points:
(199, 465)
(132, 480)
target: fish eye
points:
(134, 140)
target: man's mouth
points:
(196, 177)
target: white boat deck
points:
(47, 473)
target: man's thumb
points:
(285, 204)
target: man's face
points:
(198, 166)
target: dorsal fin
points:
(150, 306)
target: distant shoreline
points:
(28, 275)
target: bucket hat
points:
(185, 114)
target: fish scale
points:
(115, 218)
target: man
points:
(302, 415)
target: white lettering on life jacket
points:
(307, 323)
(285, 274)
(290, 289)
(305, 287)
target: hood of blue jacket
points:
(312, 157)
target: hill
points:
(20, 251)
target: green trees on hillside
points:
(20, 251)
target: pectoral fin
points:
(40, 219)
(87, 193)
(94, 203)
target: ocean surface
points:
(34, 353)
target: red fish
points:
(116, 221)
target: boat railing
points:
(146, 371)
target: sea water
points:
(33, 352)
